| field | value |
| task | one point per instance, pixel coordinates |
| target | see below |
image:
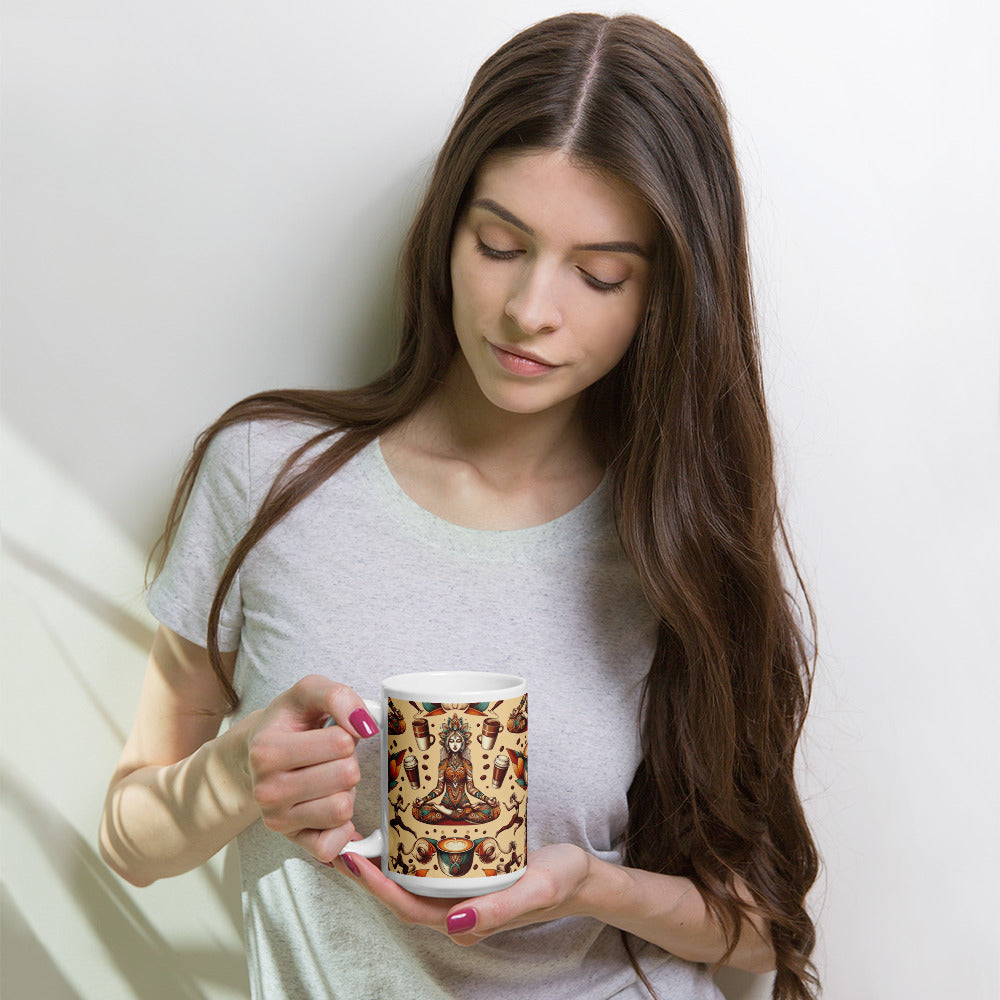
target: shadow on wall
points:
(142, 957)
(106, 612)
(75, 640)
(22, 949)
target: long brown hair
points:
(684, 429)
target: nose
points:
(533, 303)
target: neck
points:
(461, 422)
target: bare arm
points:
(564, 881)
(182, 791)
(669, 911)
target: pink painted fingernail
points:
(462, 921)
(352, 865)
(363, 723)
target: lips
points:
(521, 362)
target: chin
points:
(524, 403)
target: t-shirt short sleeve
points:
(215, 518)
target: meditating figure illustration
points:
(460, 801)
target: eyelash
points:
(614, 287)
(494, 254)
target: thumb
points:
(463, 920)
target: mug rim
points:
(453, 685)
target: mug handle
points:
(372, 846)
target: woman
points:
(456, 784)
(568, 468)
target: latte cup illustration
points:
(421, 729)
(459, 822)
(500, 764)
(456, 853)
(412, 769)
(491, 729)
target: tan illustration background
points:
(492, 839)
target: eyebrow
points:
(612, 246)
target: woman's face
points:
(550, 273)
(455, 743)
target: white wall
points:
(205, 199)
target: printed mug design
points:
(458, 781)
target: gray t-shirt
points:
(357, 583)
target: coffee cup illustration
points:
(500, 764)
(455, 855)
(491, 729)
(412, 769)
(422, 735)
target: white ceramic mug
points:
(454, 805)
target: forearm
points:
(669, 911)
(164, 820)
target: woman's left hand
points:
(549, 889)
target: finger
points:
(274, 750)
(324, 845)
(461, 923)
(346, 864)
(283, 789)
(315, 698)
(315, 797)
(341, 866)
(326, 813)
(410, 908)
(523, 903)
(467, 940)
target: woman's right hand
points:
(303, 777)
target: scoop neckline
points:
(579, 526)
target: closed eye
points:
(493, 253)
(601, 286)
